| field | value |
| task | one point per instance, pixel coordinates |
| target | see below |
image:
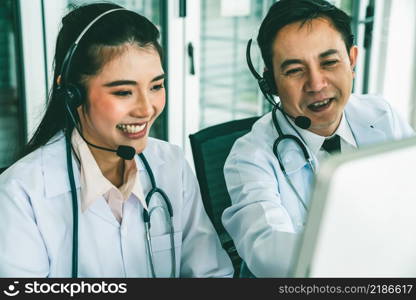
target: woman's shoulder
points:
(163, 149)
(23, 176)
(32, 165)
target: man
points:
(308, 50)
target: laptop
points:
(362, 218)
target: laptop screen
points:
(362, 218)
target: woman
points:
(73, 206)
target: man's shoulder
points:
(368, 106)
(373, 111)
(370, 102)
(255, 142)
(259, 133)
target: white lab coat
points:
(36, 222)
(266, 218)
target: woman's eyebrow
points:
(120, 82)
(130, 82)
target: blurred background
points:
(204, 43)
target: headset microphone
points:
(125, 152)
(74, 95)
(303, 122)
(268, 88)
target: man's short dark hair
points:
(285, 12)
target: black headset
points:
(266, 83)
(268, 87)
(74, 94)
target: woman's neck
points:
(111, 165)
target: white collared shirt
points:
(36, 214)
(315, 141)
(94, 185)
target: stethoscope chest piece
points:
(162, 204)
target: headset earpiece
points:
(74, 95)
(269, 79)
(266, 83)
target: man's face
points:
(313, 73)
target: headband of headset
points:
(266, 83)
(72, 93)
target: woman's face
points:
(124, 99)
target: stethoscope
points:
(298, 140)
(73, 98)
(300, 144)
(146, 214)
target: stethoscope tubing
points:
(146, 215)
(74, 206)
(300, 143)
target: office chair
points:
(210, 148)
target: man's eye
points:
(293, 71)
(329, 63)
(122, 93)
(157, 87)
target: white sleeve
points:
(23, 252)
(261, 227)
(202, 253)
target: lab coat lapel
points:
(56, 174)
(153, 154)
(101, 209)
(156, 158)
(296, 166)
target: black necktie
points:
(332, 145)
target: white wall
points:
(393, 70)
(33, 61)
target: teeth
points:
(319, 104)
(131, 128)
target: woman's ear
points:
(58, 80)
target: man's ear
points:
(353, 55)
(58, 80)
(271, 83)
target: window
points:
(12, 128)
(227, 89)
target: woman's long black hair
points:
(114, 29)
